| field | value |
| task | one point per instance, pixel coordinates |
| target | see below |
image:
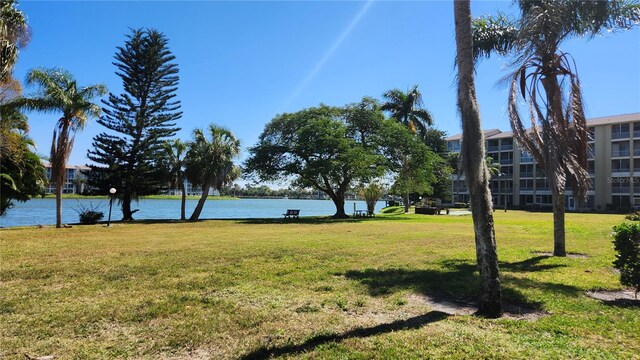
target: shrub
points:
(371, 194)
(634, 216)
(89, 215)
(626, 241)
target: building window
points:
(492, 145)
(620, 149)
(506, 158)
(542, 184)
(526, 170)
(454, 146)
(526, 199)
(621, 201)
(620, 185)
(620, 131)
(506, 144)
(620, 166)
(636, 130)
(526, 185)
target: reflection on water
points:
(42, 211)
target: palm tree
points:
(58, 92)
(406, 108)
(175, 151)
(475, 167)
(22, 174)
(209, 162)
(493, 167)
(547, 80)
(14, 35)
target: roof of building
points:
(500, 135)
(605, 120)
(47, 164)
(487, 133)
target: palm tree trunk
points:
(58, 205)
(553, 169)
(198, 210)
(474, 166)
(58, 166)
(559, 248)
(184, 200)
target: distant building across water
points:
(76, 183)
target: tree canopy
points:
(326, 148)
(59, 93)
(209, 161)
(139, 121)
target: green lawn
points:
(310, 289)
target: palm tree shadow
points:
(415, 322)
(458, 280)
(529, 265)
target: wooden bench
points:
(431, 210)
(363, 213)
(292, 214)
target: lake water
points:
(42, 211)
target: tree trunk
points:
(406, 203)
(559, 248)
(58, 205)
(475, 169)
(196, 212)
(127, 215)
(553, 170)
(338, 200)
(184, 201)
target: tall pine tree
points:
(140, 120)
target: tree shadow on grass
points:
(315, 220)
(457, 280)
(529, 265)
(307, 220)
(415, 322)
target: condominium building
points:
(75, 182)
(614, 166)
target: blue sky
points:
(241, 63)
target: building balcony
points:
(493, 148)
(636, 134)
(619, 153)
(620, 173)
(506, 147)
(506, 161)
(620, 135)
(527, 174)
(526, 160)
(636, 152)
(621, 190)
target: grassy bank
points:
(312, 289)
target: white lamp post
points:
(112, 192)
